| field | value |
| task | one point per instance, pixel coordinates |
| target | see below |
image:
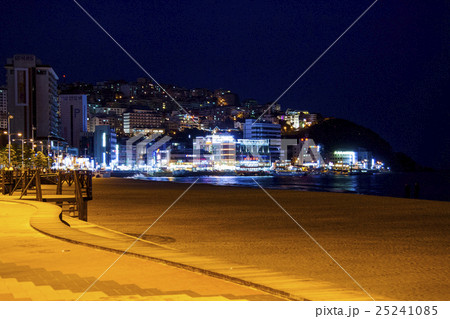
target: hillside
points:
(339, 134)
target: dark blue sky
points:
(390, 72)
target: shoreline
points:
(385, 185)
(378, 240)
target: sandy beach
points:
(398, 248)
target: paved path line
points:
(34, 266)
(47, 220)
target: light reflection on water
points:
(432, 185)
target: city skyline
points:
(388, 73)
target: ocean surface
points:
(431, 185)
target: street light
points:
(48, 151)
(10, 117)
(21, 135)
(32, 132)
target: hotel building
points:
(141, 120)
(32, 97)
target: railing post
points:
(24, 190)
(59, 183)
(81, 203)
(89, 185)
(24, 180)
(38, 186)
(10, 181)
(82, 210)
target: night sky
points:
(390, 72)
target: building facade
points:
(3, 108)
(307, 153)
(216, 152)
(73, 108)
(32, 97)
(141, 119)
(252, 154)
(263, 130)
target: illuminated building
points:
(308, 154)
(141, 119)
(147, 149)
(298, 119)
(181, 155)
(360, 159)
(344, 157)
(158, 153)
(263, 130)
(252, 154)
(217, 152)
(32, 97)
(105, 150)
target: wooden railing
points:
(77, 186)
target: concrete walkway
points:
(34, 266)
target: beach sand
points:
(397, 248)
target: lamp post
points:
(21, 136)
(32, 133)
(48, 151)
(10, 117)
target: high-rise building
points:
(3, 109)
(32, 97)
(73, 108)
(263, 130)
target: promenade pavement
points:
(35, 266)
